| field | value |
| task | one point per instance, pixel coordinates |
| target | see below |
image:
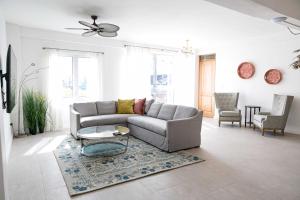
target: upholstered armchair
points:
(226, 104)
(277, 118)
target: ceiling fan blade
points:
(88, 24)
(110, 28)
(89, 33)
(108, 34)
(86, 29)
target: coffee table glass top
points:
(97, 132)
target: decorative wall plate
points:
(246, 70)
(273, 76)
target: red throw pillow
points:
(139, 106)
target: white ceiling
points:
(266, 9)
(289, 8)
(157, 22)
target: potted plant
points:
(29, 110)
(296, 63)
(41, 115)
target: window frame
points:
(75, 75)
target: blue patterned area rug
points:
(84, 174)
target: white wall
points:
(5, 137)
(264, 53)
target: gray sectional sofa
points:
(168, 127)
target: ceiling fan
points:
(285, 21)
(102, 29)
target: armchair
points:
(277, 118)
(226, 104)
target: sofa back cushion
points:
(148, 104)
(86, 109)
(154, 110)
(167, 112)
(184, 112)
(106, 107)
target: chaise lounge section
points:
(168, 127)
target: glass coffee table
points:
(108, 140)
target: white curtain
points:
(184, 80)
(136, 73)
(57, 96)
(141, 64)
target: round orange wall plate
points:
(273, 76)
(246, 70)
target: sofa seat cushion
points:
(158, 126)
(104, 120)
(234, 113)
(260, 118)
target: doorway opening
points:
(206, 84)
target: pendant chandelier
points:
(187, 49)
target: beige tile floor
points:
(240, 164)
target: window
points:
(87, 79)
(67, 78)
(77, 77)
(164, 76)
(72, 77)
(161, 79)
(148, 73)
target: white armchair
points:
(277, 118)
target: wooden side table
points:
(250, 107)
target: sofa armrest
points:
(219, 111)
(239, 110)
(184, 133)
(274, 122)
(74, 121)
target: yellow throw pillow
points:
(125, 106)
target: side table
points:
(250, 107)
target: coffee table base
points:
(103, 148)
